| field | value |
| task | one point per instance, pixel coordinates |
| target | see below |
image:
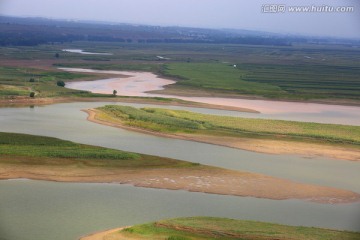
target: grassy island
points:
(180, 121)
(262, 135)
(199, 228)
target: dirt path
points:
(308, 150)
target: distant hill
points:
(17, 31)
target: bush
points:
(60, 83)
(177, 238)
(32, 94)
(32, 80)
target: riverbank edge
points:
(99, 235)
(307, 150)
(21, 102)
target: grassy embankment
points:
(178, 121)
(45, 151)
(198, 228)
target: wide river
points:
(61, 211)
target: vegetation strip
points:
(174, 121)
(199, 228)
(260, 135)
(44, 158)
(40, 150)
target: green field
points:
(172, 121)
(20, 81)
(299, 72)
(198, 228)
(46, 151)
(269, 80)
(217, 76)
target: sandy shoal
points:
(308, 150)
(202, 178)
(103, 235)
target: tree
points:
(57, 55)
(60, 83)
(32, 94)
(32, 80)
(114, 92)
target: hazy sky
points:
(239, 14)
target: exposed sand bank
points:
(102, 234)
(204, 179)
(308, 150)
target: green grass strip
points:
(196, 228)
(38, 150)
(165, 120)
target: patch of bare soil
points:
(103, 235)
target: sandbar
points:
(205, 179)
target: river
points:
(36, 210)
(61, 211)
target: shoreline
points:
(99, 235)
(307, 150)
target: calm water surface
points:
(36, 210)
(80, 51)
(39, 210)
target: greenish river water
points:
(47, 210)
(36, 210)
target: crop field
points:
(38, 150)
(216, 76)
(196, 228)
(270, 80)
(163, 120)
